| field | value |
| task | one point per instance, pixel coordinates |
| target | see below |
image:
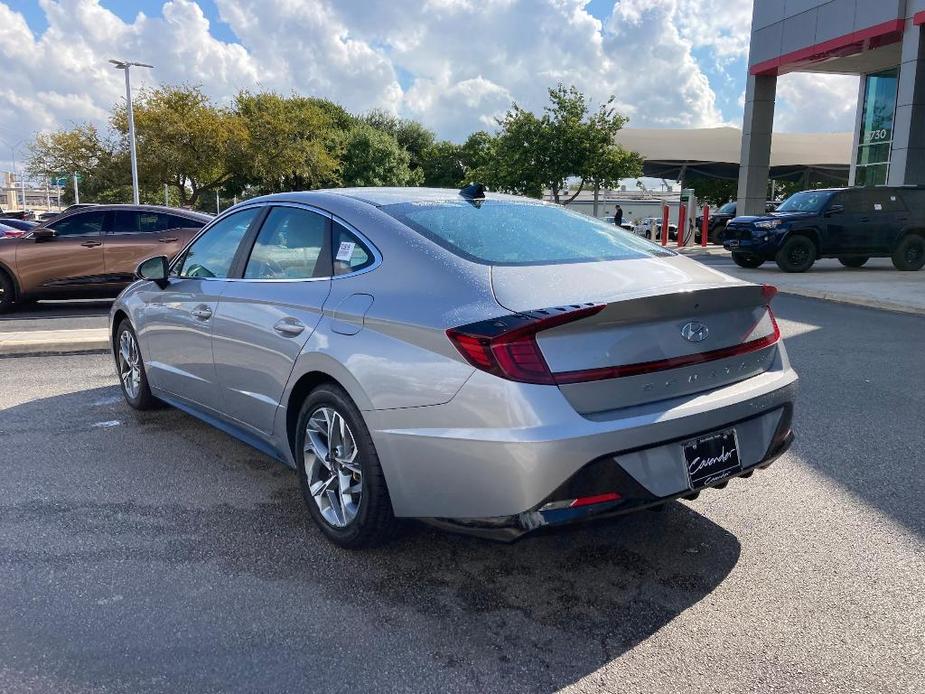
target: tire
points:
(346, 522)
(909, 255)
(853, 262)
(130, 367)
(716, 234)
(797, 254)
(747, 261)
(7, 293)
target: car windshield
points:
(728, 208)
(520, 233)
(807, 201)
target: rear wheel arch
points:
(906, 233)
(311, 378)
(117, 319)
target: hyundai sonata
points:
(487, 362)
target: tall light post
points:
(13, 149)
(127, 66)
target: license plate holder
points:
(712, 458)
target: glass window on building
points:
(876, 140)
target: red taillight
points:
(768, 291)
(507, 347)
(598, 499)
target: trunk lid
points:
(669, 327)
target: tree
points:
(372, 157)
(713, 191)
(442, 166)
(103, 166)
(532, 153)
(410, 135)
(291, 143)
(184, 141)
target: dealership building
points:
(882, 41)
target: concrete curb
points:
(854, 300)
(38, 342)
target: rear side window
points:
(514, 233)
(290, 245)
(175, 222)
(81, 224)
(350, 254)
(887, 201)
(212, 254)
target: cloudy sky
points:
(453, 64)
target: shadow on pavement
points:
(219, 566)
(859, 414)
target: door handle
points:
(91, 244)
(289, 327)
(170, 240)
(202, 312)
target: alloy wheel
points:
(914, 254)
(129, 364)
(335, 476)
(798, 255)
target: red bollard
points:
(682, 224)
(665, 212)
(705, 226)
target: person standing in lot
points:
(618, 216)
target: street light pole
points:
(127, 66)
(13, 183)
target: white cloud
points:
(808, 102)
(453, 64)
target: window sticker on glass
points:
(345, 251)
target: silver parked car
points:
(488, 362)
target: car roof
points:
(180, 212)
(386, 196)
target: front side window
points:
(212, 254)
(289, 246)
(85, 224)
(520, 233)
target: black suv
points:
(719, 218)
(851, 224)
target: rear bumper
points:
(594, 480)
(501, 449)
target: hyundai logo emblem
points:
(695, 331)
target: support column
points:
(907, 162)
(755, 167)
(856, 140)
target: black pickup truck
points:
(851, 224)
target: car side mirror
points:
(43, 233)
(154, 269)
(835, 209)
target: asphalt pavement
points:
(149, 552)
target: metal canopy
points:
(715, 153)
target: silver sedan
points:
(490, 363)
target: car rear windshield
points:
(511, 233)
(807, 201)
(728, 208)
